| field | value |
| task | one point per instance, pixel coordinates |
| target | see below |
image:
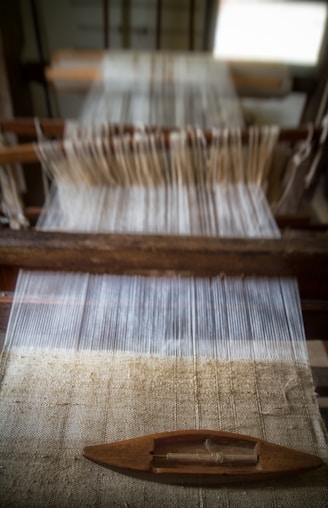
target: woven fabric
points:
(54, 403)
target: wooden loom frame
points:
(144, 254)
(303, 258)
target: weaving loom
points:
(192, 352)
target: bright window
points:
(271, 31)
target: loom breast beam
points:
(201, 458)
(303, 258)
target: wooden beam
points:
(300, 222)
(191, 25)
(250, 78)
(105, 12)
(55, 128)
(27, 153)
(158, 24)
(126, 24)
(211, 14)
(26, 126)
(40, 49)
(254, 84)
(305, 259)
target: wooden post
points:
(158, 23)
(106, 23)
(191, 24)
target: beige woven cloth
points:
(54, 403)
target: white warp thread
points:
(226, 318)
(165, 89)
(203, 190)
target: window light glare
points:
(273, 32)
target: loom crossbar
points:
(27, 152)
(55, 127)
